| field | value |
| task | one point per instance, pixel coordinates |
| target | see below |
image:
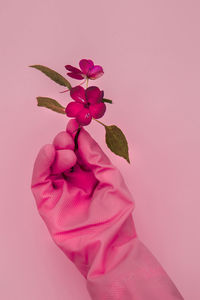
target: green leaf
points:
(107, 100)
(51, 104)
(116, 141)
(53, 75)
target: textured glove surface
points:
(88, 212)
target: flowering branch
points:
(88, 103)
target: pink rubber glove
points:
(88, 212)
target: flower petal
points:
(95, 72)
(78, 94)
(93, 94)
(84, 117)
(76, 76)
(73, 69)
(97, 110)
(73, 108)
(86, 65)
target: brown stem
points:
(76, 138)
(100, 122)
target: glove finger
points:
(49, 164)
(43, 162)
(65, 159)
(63, 140)
(41, 183)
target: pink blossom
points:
(87, 104)
(87, 70)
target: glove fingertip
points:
(63, 140)
(47, 153)
(72, 127)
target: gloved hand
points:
(87, 208)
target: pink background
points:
(150, 54)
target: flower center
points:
(86, 105)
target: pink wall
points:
(150, 54)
